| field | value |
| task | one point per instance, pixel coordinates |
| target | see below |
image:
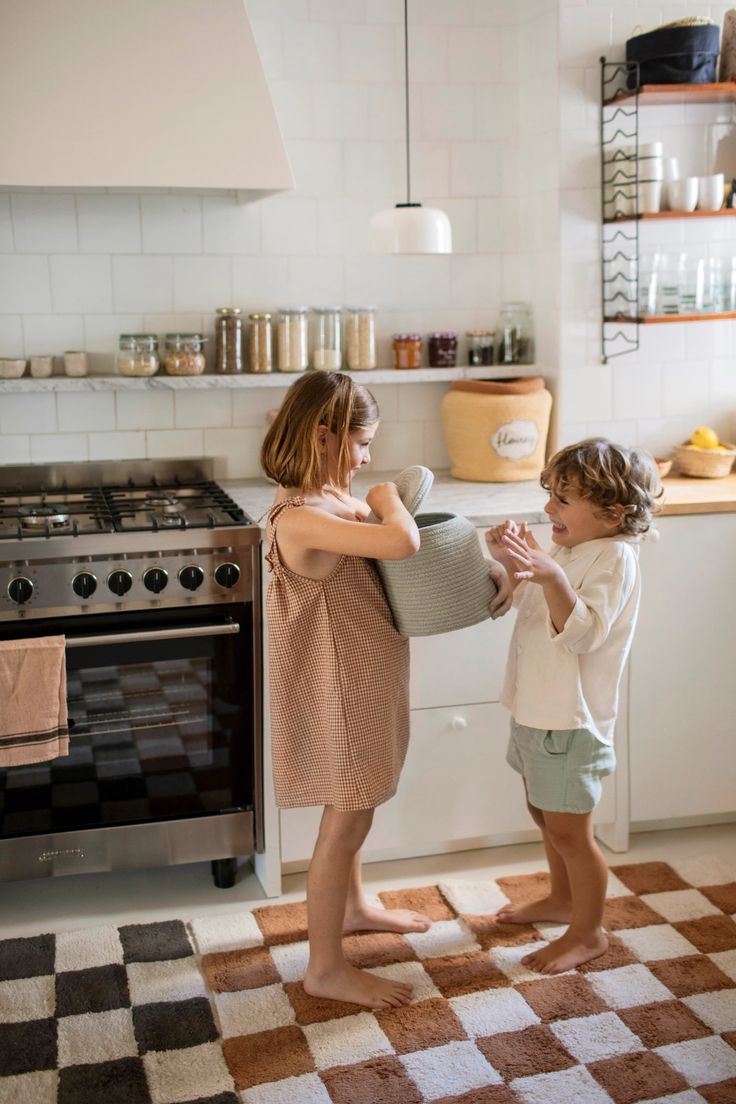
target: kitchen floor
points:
(186, 892)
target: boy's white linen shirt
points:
(570, 679)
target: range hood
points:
(136, 94)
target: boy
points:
(577, 609)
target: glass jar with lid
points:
(516, 339)
(327, 339)
(228, 340)
(481, 347)
(138, 355)
(293, 345)
(360, 338)
(184, 354)
(442, 348)
(260, 357)
(407, 350)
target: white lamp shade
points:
(410, 229)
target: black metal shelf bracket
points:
(619, 125)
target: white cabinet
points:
(682, 720)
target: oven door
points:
(163, 719)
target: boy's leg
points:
(571, 835)
(361, 915)
(557, 905)
(329, 974)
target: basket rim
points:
(728, 450)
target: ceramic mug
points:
(76, 363)
(42, 366)
(710, 192)
(683, 194)
(650, 196)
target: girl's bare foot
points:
(369, 918)
(547, 908)
(567, 952)
(345, 983)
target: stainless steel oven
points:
(164, 693)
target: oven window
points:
(159, 728)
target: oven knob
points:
(191, 577)
(227, 574)
(20, 589)
(155, 579)
(84, 584)
(120, 582)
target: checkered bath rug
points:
(214, 1012)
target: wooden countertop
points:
(684, 495)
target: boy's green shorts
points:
(562, 768)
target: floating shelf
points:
(253, 380)
(720, 92)
(725, 212)
(649, 319)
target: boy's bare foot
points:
(345, 983)
(567, 952)
(370, 918)
(547, 908)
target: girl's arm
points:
(396, 538)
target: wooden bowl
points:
(705, 463)
(664, 466)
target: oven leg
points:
(223, 872)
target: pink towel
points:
(33, 716)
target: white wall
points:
(683, 374)
(78, 269)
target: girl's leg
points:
(361, 915)
(329, 974)
(571, 835)
(557, 905)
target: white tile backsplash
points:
(80, 283)
(44, 223)
(109, 223)
(85, 410)
(171, 223)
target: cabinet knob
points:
(458, 724)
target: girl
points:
(339, 670)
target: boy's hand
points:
(381, 497)
(496, 547)
(502, 599)
(530, 562)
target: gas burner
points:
(164, 500)
(42, 517)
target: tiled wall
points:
(78, 269)
(683, 374)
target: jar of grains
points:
(293, 348)
(260, 358)
(407, 350)
(442, 350)
(360, 337)
(481, 347)
(138, 355)
(326, 351)
(184, 354)
(228, 340)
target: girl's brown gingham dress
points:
(339, 678)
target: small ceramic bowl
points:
(664, 467)
(11, 368)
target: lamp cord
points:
(406, 83)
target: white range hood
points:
(136, 94)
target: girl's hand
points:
(529, 561)
(381, 497)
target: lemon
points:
(704, 438)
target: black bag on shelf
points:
(675, 55)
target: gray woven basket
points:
(446, 584)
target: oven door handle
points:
(226, 628)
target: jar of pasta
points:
(184, 354)
(138, 355)
(260, 357)
(360, 338)
(293, 347)
(327, 349)
(407, 350)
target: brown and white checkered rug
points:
(214, 1012)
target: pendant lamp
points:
(409, 227)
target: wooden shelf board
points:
(650, 319)
(720, 92)
(725, 212)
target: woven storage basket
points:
(705, 463)
(446, 584)
(496, 430)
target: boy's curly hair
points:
(608, 475)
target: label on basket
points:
(515, 440)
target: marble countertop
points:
(491, 503)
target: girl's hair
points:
(290, 454)
(608, 475)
